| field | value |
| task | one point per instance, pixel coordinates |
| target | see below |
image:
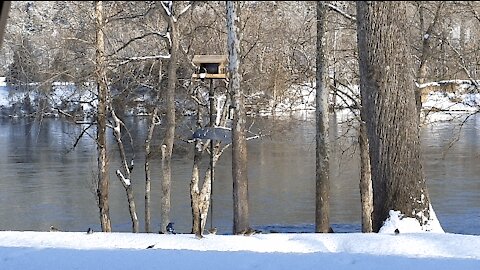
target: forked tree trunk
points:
(101, 77)
(388, 104)
(124, 175)
(198, 206)
(201, 197)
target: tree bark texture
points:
(322, 193)
(366, 190)
(388, 103)
(239, 144)
(170, 124)
(200, 199)
(103, 168)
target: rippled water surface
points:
(45, 182)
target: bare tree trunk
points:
(388, 103)
(322, 191)
(125, 176)
(239, 145)
(167, 147)
(101, 74)
(426, 51)
(195, 192)
(201, 198)
(166, 188)
(131, 200)
(366, 190)
(148, 154)
(4, 11)
(154, 121)
(197, 227)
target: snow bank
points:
(397, 221)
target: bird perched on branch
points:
(170, 228)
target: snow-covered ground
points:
(411, 248)
(79, 250)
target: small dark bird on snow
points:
(397, 231)
(53, 229)
(247, 232)
(170, 228)
(213, 230)
(89, 231)
(151, 246)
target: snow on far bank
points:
(438, 106)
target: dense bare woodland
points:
(54, 41)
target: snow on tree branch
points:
(162, 35)
(141, 58)
(341, 12)
(125, 181)
(185, 9)
(168, 7)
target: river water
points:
(45, 182)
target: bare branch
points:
(125, 182)
(341, 12)
(185, 9)
(142, 58)
(162, 35)
(134, 16)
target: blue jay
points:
(170, 228)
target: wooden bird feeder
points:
(210, 67)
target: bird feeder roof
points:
(210, 59)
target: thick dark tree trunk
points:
(322, 194)
(103, 174)
(388, 103)
(239, 144)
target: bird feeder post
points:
(211, 97)
(210, 67)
